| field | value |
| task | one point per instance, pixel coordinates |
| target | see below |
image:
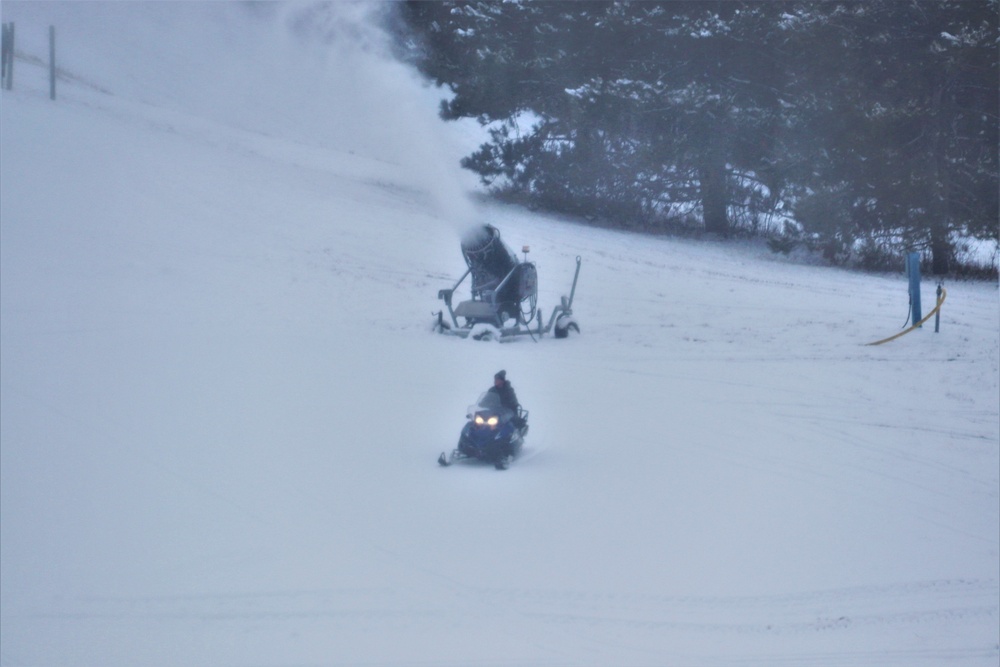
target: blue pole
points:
(913, 272)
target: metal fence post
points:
(7, 69)
(3, 56)
(937, 316)
(52, 62)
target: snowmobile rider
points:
(503, 388)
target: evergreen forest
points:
(859, 130)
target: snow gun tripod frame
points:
(502, 289)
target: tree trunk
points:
(941, 247)
(941, 250)
(714, 197)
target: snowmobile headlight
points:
(492, 421)
(479, 420)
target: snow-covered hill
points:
(222, 403)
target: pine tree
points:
(878, 119)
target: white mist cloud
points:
(361, 99)
(319, 73)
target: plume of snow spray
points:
(317, 73)
(375, 105)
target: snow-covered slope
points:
(222, 402)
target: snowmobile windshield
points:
(489, 401)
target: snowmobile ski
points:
(446, 458)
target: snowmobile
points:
(494, 433)
(504, 301)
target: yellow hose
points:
(944, 293)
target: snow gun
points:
(504, 294)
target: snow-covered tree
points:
(639, 110)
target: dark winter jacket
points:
(507, 396)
